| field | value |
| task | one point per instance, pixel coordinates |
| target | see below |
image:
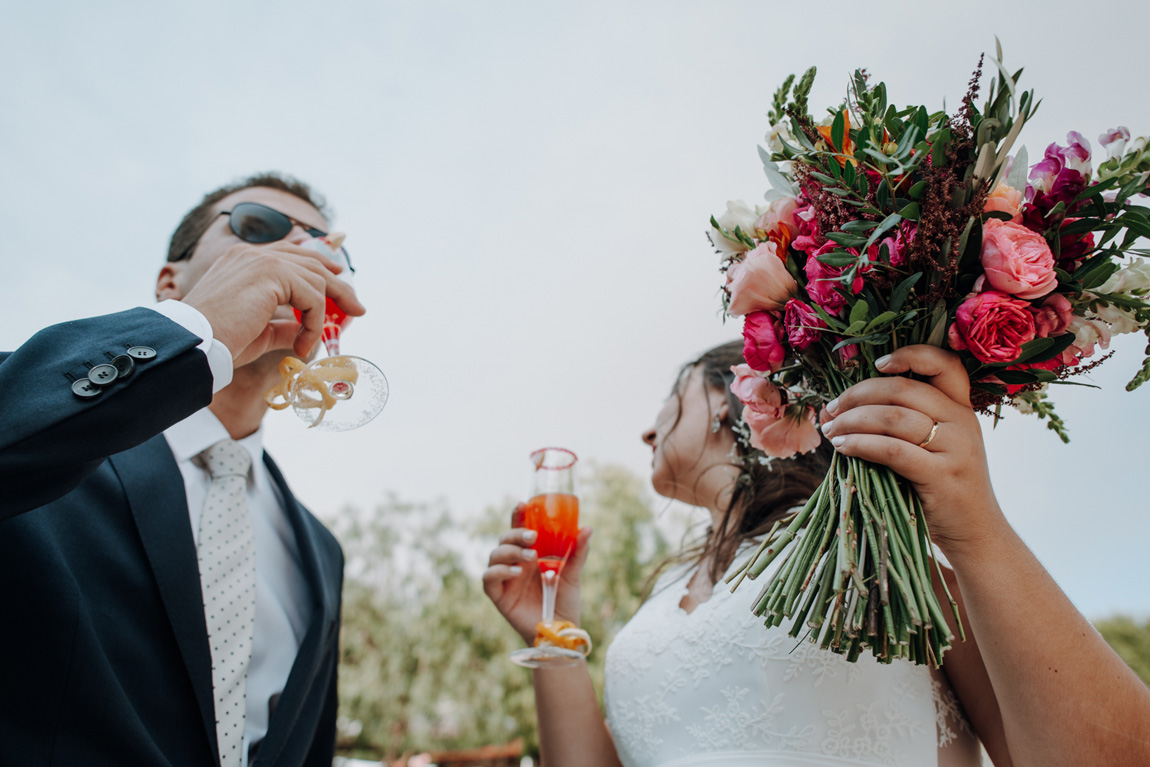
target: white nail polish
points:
(516, 570)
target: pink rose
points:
(785, 432)
(993, 326)
(1005, 199)
(764, 346)
(760, 282)
(803, 324)
(1053, 317)
(823, 283)
(1017, 260)
(754, 391)
(810, 237)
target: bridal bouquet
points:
(889, 226)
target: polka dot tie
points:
(228, 579)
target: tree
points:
(1130, 640)
(424, 654)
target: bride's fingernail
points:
(530, 536)
(882, 362)
(826, 427)
(838, 442)
(516, 570)
(833, 405)
(529, 554)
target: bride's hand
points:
(887, 421)
(512, 580)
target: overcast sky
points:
(526, 187)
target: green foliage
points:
(1130, 640)
(424, 653)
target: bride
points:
(695, 679)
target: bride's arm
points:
(572, 732)
(571, 728)
(1064, 696)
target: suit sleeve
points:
(51, 438)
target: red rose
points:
(993, 326)
(764, 346)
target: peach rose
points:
(1005, 199)
(760, 282)
(784, 432)
(1017, 260)
(754, 391)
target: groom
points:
(164, 599)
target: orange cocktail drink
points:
(555, 517)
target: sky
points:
(526, 189)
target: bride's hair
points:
(763, 493)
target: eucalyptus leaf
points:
(899, 295)
(910, 212)
(1018, 170)
(859, 312)
(880, 321)
(847, 240)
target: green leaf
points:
(824, 177)
(837, 128)
(917, 190)
(899, 295)
(837, 258)
(837, 192)
(887, 223)
(1017, 377)
(855, 327)
(1001, 215)
(831, 322)
(859, 312)
(880, 321)
(861, 225)
(910, 212)
(847, 240)
(849, 174)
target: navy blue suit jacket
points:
(104, 656)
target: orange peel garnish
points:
(563, 634)
(311, 384)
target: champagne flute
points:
(335, 392)
(553, 513)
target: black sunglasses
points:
(259, 224)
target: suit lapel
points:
(159, 504)
(323, 584)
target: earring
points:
(716, 423)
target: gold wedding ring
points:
(929, 437)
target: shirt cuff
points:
(190, 318)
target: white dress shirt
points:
(284, 604)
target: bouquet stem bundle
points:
(857, 570)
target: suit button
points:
(85, 388)
(123, 365)
(142, 353)
(102, 375)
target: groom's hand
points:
(242, 293)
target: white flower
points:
(779, 133)
(1134, 276)
(740, 215)
(1087, 333)
(1120, 320)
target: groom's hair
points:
(199, 218)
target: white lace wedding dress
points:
(713, 687)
